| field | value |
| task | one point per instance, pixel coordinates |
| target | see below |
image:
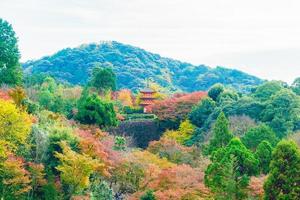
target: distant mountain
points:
(134, 66)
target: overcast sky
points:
(261, 37)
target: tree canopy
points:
(10, 70)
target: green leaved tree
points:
(93, 110)
(201, 112)
(10, 70)
(215, 91)
(103, 79)
(254, 136)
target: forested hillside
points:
(93, 141)
(133, 66)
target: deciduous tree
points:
(215, 91)
(10, 69)
(254, 136)
(93, 110)
(103, 79)
(15, 125)
(201, 112)
(75, 169)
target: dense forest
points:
(133, 66)
(71, 128)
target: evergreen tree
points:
(221, 134)
(229, 173)
(264, 155)
(10, 70)
(284, 178)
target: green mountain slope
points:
(134, 66)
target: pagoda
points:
(147, 98)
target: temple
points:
(147, 98)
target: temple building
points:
(147, 98)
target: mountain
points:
(134, 66)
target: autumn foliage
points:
(176, 108)
(178, 182)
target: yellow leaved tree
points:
(184, 133)
(75, 168)
(15, 125)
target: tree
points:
(228, 174)
(103, 79)
(149, 195)
(90, 143)
(176, 153)
(125, 97)
(57, 97)
(14, 178)
(93, 110)
(296, 86)
(254, 136)
(127, 178)
(10, 70)
(172, 111)
(15, 125)
(200, 113)
(264, 155)
(215, 91)
(282, 112)
(38, 180)
(267, 89)
(183, 134)
(228, 96)
(240, 124)
(177, 183)
(18, 95)
(100, 190)
(283, 181)
(75, 168)
(221, 134)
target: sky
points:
(261, 37)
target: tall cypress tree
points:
(264, 155)
(284, 178)
(229, 173)
(221, 134)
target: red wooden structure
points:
(147, 98)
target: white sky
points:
(261, 37)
